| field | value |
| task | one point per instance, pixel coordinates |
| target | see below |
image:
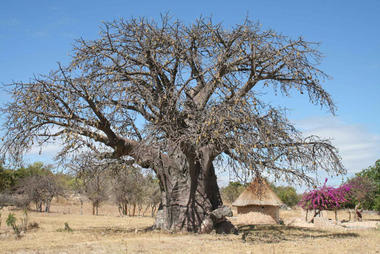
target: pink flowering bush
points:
(325, 198)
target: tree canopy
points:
(366, 188)
(176, 97)
(10, 178)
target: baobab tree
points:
(177, 98)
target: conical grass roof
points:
(258, 193)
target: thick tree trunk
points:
(189, 189)
(189, 193)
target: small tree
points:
(6, 178)
(128, 186)
(131, 188)
(152, 196)
(94, 178)
(40, 189)
(11, 222)
(373, 173)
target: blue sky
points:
(35, 35)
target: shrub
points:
(66, 228)
(376, 205)
(287, 194)
(11, 222)
(33, 225)
(231, 192)
(325, 198)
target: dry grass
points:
(109, 233)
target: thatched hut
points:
(259, 197)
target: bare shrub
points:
(128, 189)
(94, 179)
(152, 194)
(13, 199)
(40, 189)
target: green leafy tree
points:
(376, 203)
(9, 178)
(372, 173)
(65, 180)
(287, 194)
(362, 192)
(11, 222)
(231, 192)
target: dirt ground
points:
(109, 233)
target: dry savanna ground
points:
(109, 233)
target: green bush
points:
(287, 194)
(376, 205)
(231, 192)
(11, 222)
(371, 199)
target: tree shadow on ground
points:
(116, 230)
(371, 219)
(279, 233)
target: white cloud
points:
(358, 147)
